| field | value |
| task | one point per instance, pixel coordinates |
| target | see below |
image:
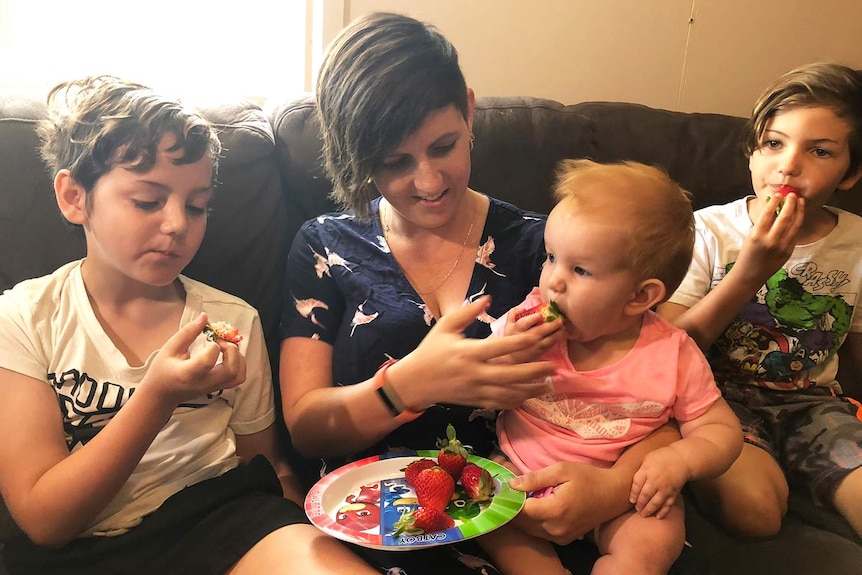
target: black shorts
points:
(203, 529)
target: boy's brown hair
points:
(818, 85)
(655, 213)
(97, 123)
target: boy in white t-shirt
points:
(133, 443)
(617, 243)
(772, 294)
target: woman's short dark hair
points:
(380, 78)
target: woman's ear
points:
(648, 294)
(71, 197)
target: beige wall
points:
(688, 55)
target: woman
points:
(396, 278)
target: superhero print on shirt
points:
(796, 321)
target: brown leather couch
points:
(271, 181)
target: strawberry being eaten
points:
(549, 311)
(781, 193)
(222, 330)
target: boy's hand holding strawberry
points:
(177, 376)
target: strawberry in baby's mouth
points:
(550, 311)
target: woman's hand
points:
(583, 498)
(475, 372)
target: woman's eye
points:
(821, 153)
(440, 151)
(395, 164)
(772, 144)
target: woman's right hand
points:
(475, 372)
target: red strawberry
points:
(550, 312)
(222, 330)
(453, 454)
(781, 192)
(477, 482)
(413, 469)
(422, 520)
(434, 488)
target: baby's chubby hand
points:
(178, 376)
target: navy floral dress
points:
(346, 289)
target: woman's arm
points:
(584, 496)
(327, 420)
(266, 443)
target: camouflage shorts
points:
(815, 436)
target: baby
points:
(618, 242)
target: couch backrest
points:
(520, 140)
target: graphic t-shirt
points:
(51, 334)
(787, 336)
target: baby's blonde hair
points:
(653, 212)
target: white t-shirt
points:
(51, 334)
(787, 336)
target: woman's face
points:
(425, 177)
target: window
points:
(195, 48)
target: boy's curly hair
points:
(97, 123)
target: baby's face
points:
(586, 272)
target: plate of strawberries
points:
(414, 499)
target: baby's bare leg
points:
(637, 545)
(517, 553)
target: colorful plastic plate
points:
(361, 502)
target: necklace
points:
(387, 230)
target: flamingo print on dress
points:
(484, 316)
(323, 218)
(426, 313)
(321, 265)
(333, 259)
(361, 318)
(306, 307)
(483, 255)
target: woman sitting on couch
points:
(406, 276)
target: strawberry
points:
(413, 469)
(222, 330)
(453, 454)
(422, 520)
(550, 311)
(477, 482)
(434, 488)
(781, 193)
